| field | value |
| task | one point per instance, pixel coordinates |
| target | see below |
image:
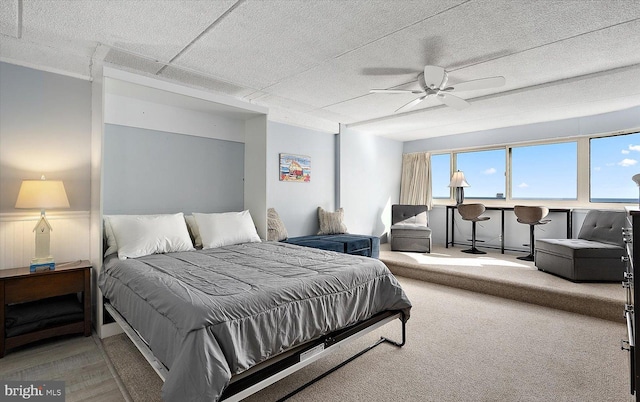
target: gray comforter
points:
(211, 314)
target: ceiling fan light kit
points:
(433, 81)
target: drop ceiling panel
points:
(9, 18)
(521, 25)
(314, 62)
(52, 59)
(340, 84)
(592, 52)
(158, 29)
(262, 42)
(347, 77)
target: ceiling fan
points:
(433, 81)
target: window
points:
(613, 161)
(547, 171)
(440, 175)
(484, 171)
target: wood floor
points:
(77, 360)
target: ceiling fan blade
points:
(388, 71)
(434, 76)
(452, 101)
(482, 83)
(411, 104)
(395, 91)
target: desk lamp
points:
(42, 194)
(458, 182)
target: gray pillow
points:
(275, 228)
(331, 222)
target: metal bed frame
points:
(278, 367)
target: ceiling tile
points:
(341, 84)
(314, 62)
(63, 61)
(153, 28)
(262, 42)
(9, 18)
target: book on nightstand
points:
(43, 266)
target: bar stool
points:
(531, 216)
(472, 212)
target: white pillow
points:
(225, 229)
(140, 235)
(112, 246)
(193, 228)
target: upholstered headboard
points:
(409, 214)
(604, 226)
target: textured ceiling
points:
(312, 63)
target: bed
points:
(211, 316)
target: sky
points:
(614, 161)
(547, 171)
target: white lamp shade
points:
(458, 180)
(42, 194)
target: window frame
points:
(633, 201)
(487, 149)
(451, 164)
(510, 163)
(583, 172)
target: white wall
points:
(126, 111)
(297, 203)
(45, 128)
(606, 123)
(255, 172)
(370, 169)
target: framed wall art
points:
(296, 168)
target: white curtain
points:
(415, 184)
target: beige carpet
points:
(461, 346)
(505, 276)
(140, 380)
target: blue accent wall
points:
(150, 172)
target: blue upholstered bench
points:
(368, 246)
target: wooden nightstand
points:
(18, 285)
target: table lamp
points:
(458, 182)
(42, 194)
